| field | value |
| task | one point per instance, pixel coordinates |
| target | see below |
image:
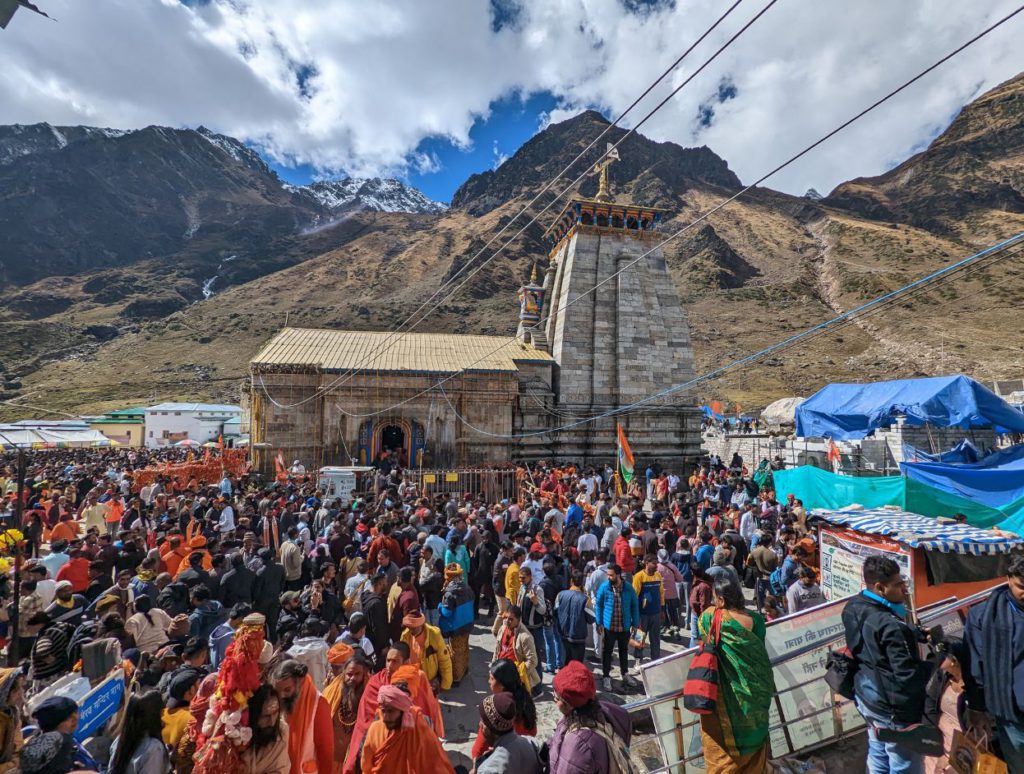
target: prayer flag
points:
(625, 455)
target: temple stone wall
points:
(625, 341)
(325, 430)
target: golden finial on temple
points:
(611, 155)
(533, 273)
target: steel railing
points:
(932, 613)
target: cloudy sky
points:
(433, 90)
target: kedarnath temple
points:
(446, 400)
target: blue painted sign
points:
(99, 705)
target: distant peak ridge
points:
(373, 193)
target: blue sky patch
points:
(512, 121)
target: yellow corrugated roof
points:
(331, 350)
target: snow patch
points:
(62, 141)
(207, 288)
(382, 195)
(234, 149)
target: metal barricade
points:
(678, 734)
(491, 484)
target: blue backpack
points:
(775, 584)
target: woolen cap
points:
(498, 712)
(575, 683)
(54, 711)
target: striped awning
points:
(918, 531)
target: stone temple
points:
(333, 397)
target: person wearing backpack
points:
(891, 677)
(593, 736)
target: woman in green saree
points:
(735, 736)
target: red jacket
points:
(388, 542)
(623, 554)
(76, 571)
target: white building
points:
(168, 423)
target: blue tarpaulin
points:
(853, 411)
(965, 451)
(996, 480)
(708, 412)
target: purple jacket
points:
(583, 751)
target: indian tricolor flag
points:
(625, 455)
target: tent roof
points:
(853, 411)
(919, 531)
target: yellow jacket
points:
(437, 661)
(512, 582)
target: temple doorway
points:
(393, 440)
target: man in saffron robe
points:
(399, 741)
(425, 701)
(311, 732)
(343, 694)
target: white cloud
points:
(378, 78)
(499, 157)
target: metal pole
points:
(19, 508)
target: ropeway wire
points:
(715, 209)
(890, 297)
(451, 280)
(349, 373)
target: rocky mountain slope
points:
(761, 269)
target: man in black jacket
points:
(994, 676)
(236, 585)
(891, 676)
(482, 569)
(266, 592)
(375, 608)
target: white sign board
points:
(842, 562)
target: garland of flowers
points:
(225, 732)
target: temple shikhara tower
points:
(445, 400)
(621, 342)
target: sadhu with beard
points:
(267, 752)
(399, 741)
(311, 732)
(422, 696)
(343, 694)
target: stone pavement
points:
(459, 705)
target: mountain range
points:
(151, 265)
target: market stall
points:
(939, 557)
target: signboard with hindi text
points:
(842, 561)
(100, 705)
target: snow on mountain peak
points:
(374, 193)
(235, 149)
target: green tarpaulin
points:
(819, 488)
